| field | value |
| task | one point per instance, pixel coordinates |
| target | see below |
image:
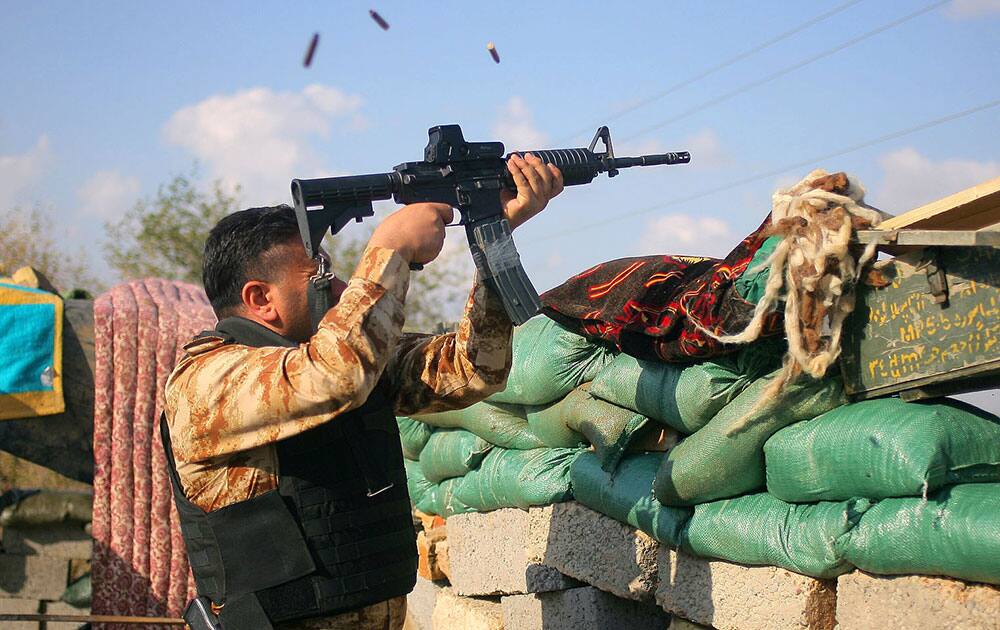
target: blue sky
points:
(104, 101)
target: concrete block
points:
(500, 553)
(420, 604)
(733, 596)
(602, 552)
(62, 608)
(468, 613)
(914, 601)
(19, 606)
(21, 473)
(66, 540)
(32, 577)
(585, 608)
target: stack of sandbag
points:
(516, 448)
(565, 395)
(803, 481)
(817, 486)
(933, 468)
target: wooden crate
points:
(933, 330)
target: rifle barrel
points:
(659, 159)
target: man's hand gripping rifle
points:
(467, 176)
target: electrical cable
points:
(713, 69)
(771, 173)
(780, 73)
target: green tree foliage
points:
(164, 237)
(29, 238)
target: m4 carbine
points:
(469, 177)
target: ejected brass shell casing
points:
(493, 52)
(311, 50)
(378, 19)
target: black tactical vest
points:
(335, 535)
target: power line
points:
(780, 73)
(778, 171)
(713, 69)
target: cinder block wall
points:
(567, 566)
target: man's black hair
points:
(237, 249)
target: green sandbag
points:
(509, 478)
(712, 464)
(413, 435)
(608, 427)
(504, 425)
(627, 495)
(752, 284)
(549, 422)
(955, 533)
(416, 483)
(883, 448)
(438, 498)
(761, 530)
(684, 397)
(452, 453)
(580, 418)
(549, 361)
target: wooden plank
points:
(971, 209)
(939, 238)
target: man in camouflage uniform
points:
(234, 406)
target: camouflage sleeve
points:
(223, 399)
(436, 373)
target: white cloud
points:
(706, 150)
(515, 127)
(911, 179)
(682, 234)
(260, 138)
(19, 172)
(973, 8)
(108, 194)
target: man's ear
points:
(258, 300)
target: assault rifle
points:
(467, 176)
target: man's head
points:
(256, 267)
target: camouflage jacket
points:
(227, 404)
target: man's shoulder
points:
(203, 355)
(205, 342)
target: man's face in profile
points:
(288, 293)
